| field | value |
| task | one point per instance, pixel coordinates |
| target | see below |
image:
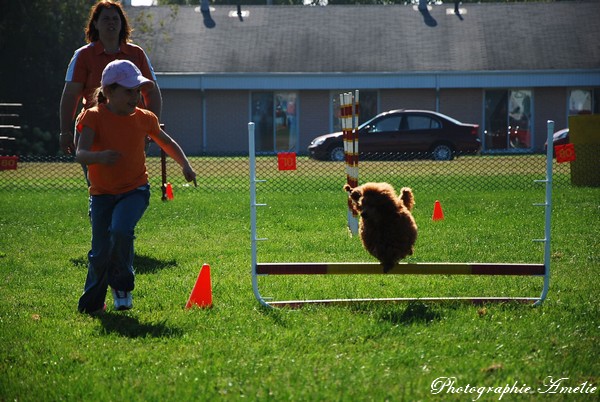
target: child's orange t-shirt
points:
(126, 135)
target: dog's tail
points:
(407, 197)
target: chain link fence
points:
(231, 173)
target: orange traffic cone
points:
(201, 295)
(438, 214)
(169, 191)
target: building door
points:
(508, 119)
(286, 132)
(275, 117)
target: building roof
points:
(378, 39)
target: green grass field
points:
(160, 351)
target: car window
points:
(416, 122)
(390, 123)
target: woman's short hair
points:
(92, 34)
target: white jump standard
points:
(442, 268)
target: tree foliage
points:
(37, 40)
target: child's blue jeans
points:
(110, 261)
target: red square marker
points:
(564, 153)
(286, 160)
(8, 162)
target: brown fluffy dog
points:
(387, 228)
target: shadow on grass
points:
(131, 327)
(276, 315)
(413, 313)
(143, 264)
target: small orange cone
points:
(201, 295)
(438, 214)
(169, 191)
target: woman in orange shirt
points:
(112, 146)
(107, 34)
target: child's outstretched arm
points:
(87, 157)
(173, 149)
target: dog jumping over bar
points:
(387, 228)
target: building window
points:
(275, 117)
(508, 120)
(580, 101)
(367, 106)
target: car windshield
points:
(366, 123)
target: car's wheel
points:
(337, 153)
(442, 152)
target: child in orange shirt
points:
(112, 144)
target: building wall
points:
(227, 117)
(549, 104)
(465, 105)
(390, 99)
(182, 116)
(314, 116)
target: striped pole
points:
(349, 116)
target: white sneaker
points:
(123, 300)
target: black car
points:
(404, 132)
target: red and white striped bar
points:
(420, 268)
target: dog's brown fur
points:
(387, 228)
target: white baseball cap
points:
(124, 73)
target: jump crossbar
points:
(352, 268)
(473, 300)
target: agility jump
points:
(352, 268)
